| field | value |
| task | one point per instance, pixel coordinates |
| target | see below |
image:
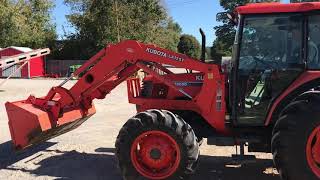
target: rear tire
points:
(157, 145)
(293, 140)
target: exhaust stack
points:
(203, 46)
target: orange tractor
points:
(269, 100)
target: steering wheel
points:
(261, 61)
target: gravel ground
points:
(87, 152)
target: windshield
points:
(271, 42)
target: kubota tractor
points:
(270, 99)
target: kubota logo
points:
(164, 54)
(199, 78)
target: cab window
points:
(271, 42)
(313, 42)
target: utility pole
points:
(117, 19)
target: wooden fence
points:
(61, 67)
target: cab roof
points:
(265, 8)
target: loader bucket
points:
(29, 125)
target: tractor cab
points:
(273, 47)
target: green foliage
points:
(167, 35)
(98, 23)
(26, 23)
(208, 53)
(190, 46)
(225, 33)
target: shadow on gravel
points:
(80, 166)
(107, 150)
(83, 166)
(9, 156)
(221, 168)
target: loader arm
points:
(62, 110)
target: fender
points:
(303, 83)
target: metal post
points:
(241, 149)
(66, 80)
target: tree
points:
(167, 35)
(189, 46)
(225, 33)
(26, 23)
(98, 23)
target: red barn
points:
(34, 68)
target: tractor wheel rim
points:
(155, 155)
(313, 151)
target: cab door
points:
(270, 58)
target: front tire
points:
(296, 141)
(156, 145)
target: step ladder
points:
(21, 59)
(241, 158)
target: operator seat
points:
(313, 55)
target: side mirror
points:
(223, 16)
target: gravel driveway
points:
(87, 152)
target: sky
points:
(59, 17)
(195, 14)
(190, 14)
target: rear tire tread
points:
(288, 140)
